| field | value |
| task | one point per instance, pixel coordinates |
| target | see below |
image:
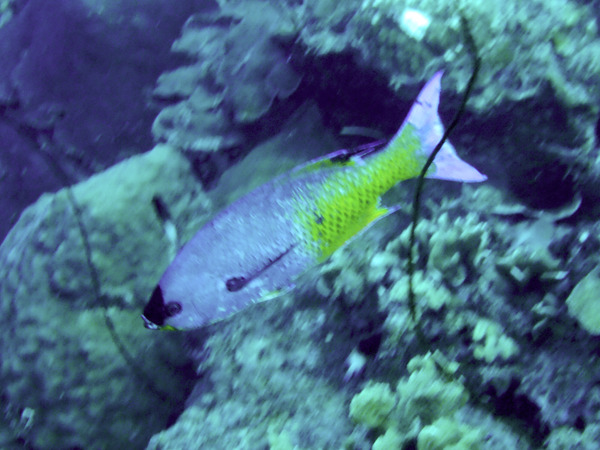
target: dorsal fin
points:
(340, 158)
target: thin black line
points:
(421, 178)
(237, 283)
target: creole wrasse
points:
(255, 248)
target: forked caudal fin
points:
(423, 116)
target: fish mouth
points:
(149, 324)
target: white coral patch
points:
(414, 23)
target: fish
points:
(254, 249)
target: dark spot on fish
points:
(155, 311)
(236, 283)
(319, 220)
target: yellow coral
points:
(426, 395)
(373, 405)
(491, 343)
(448, 434)
(584, 304)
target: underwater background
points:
(110, 108)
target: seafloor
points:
(110, 108)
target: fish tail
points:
(421, 133)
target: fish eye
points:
(172, 309)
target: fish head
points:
(157, 312)
(178, 303)
(192, 294)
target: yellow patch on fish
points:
(349, 200)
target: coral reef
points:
(423, 406)
(64, 373)
(373, 405)
(583, 302)
(242, 68)
(490, 343)
(448, 434)
(221, 100)
(257, 387)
